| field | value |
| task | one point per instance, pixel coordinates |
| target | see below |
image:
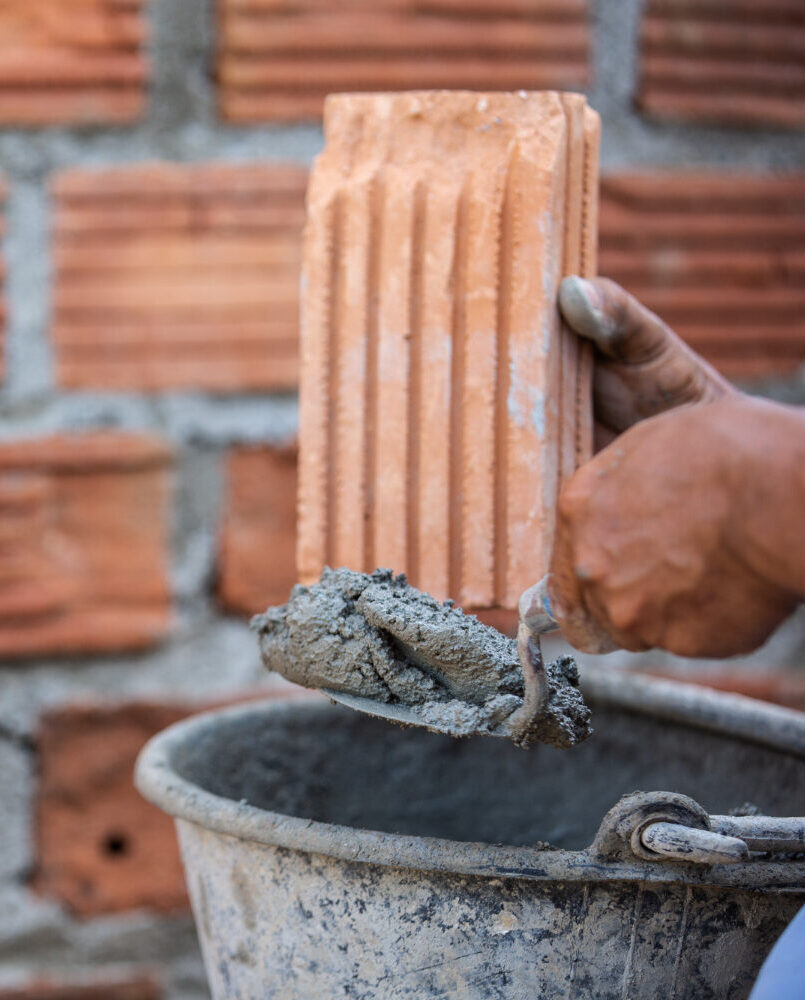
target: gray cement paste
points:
(376, 636)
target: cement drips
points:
(376, 636)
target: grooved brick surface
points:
(442, 404)
(730, 61)
(175, 276)
(279, 58)
(84, 534)
(99, 988)
(258, 535)
(79, 62)
(718, 256)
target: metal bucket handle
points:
(666, 826)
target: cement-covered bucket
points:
(333, 855)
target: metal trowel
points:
(468, 673)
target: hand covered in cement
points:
(642, 367)
(686, 533)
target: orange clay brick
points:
(100, 846)
(84, 533)
(724, 61)
(100, 987)
(178, 277)
(258, 536)
(278, 60)
(719, 257)
(75, 62)
(441, 401)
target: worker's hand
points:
(642, 368)
(686, 533)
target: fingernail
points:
(582, 306)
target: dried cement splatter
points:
(374, 635)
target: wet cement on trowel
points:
(376, 636)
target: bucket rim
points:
(158, 780)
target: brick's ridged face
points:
(258, 538)
(79, 62)
(278, 60)
(731, 61)
(84, 529)
(100, 846)
(442, 403)
(178, 277)
(719, 257)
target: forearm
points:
(770, 512)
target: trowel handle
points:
(535, 609)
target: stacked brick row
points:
(187, 277)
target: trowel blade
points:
(402, 715)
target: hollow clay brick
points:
(278, 60)
(258, 535)
(730, 61)
(178, 277)
(442, 403)
(100, 846)
(718, 256)
(76, 63)
(100, 987)
(84, 532)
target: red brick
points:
(178, 277)
(72, 63)
(719, 256)
(729, 61)
(278, 60)
(442, 404)
(258, 536)
(100, 847)
(98, 988)
(84, 531)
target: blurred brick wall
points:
(153, 159)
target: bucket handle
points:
(663, 826)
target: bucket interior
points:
(332, 765)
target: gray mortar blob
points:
(376, 636)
